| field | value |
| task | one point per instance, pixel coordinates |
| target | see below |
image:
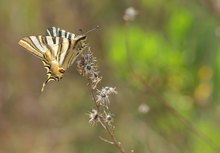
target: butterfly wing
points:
(41, 46)
(75, 48)
(57, 32)
(34, 45)
(71, 46)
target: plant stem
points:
(116, 143)
(112, 136)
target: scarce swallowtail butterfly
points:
(57, 50)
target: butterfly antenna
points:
(97, 27)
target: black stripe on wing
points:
(34, 44)
(57, 32)
(75, 48)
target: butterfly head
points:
(60, 73)
(57, 72)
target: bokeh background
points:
(165, 65)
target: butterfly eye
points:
(61, 70)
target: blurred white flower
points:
(143, 108)
(130, 14)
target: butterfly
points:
(58, 50)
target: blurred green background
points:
(165, 65)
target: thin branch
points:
(112, 136)
(105, 140)
(93, 96)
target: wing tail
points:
(48, 80)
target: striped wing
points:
(34, 44)
(74, 47)
(67, 57)
(57, 32)
(63, 50)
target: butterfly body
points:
(58, 50)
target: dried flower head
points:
(103, 99)
(130, 14)
(108, 118)
(109, 90)
(93, 116)
(87, 64)
(87, 67)
(103, 96)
